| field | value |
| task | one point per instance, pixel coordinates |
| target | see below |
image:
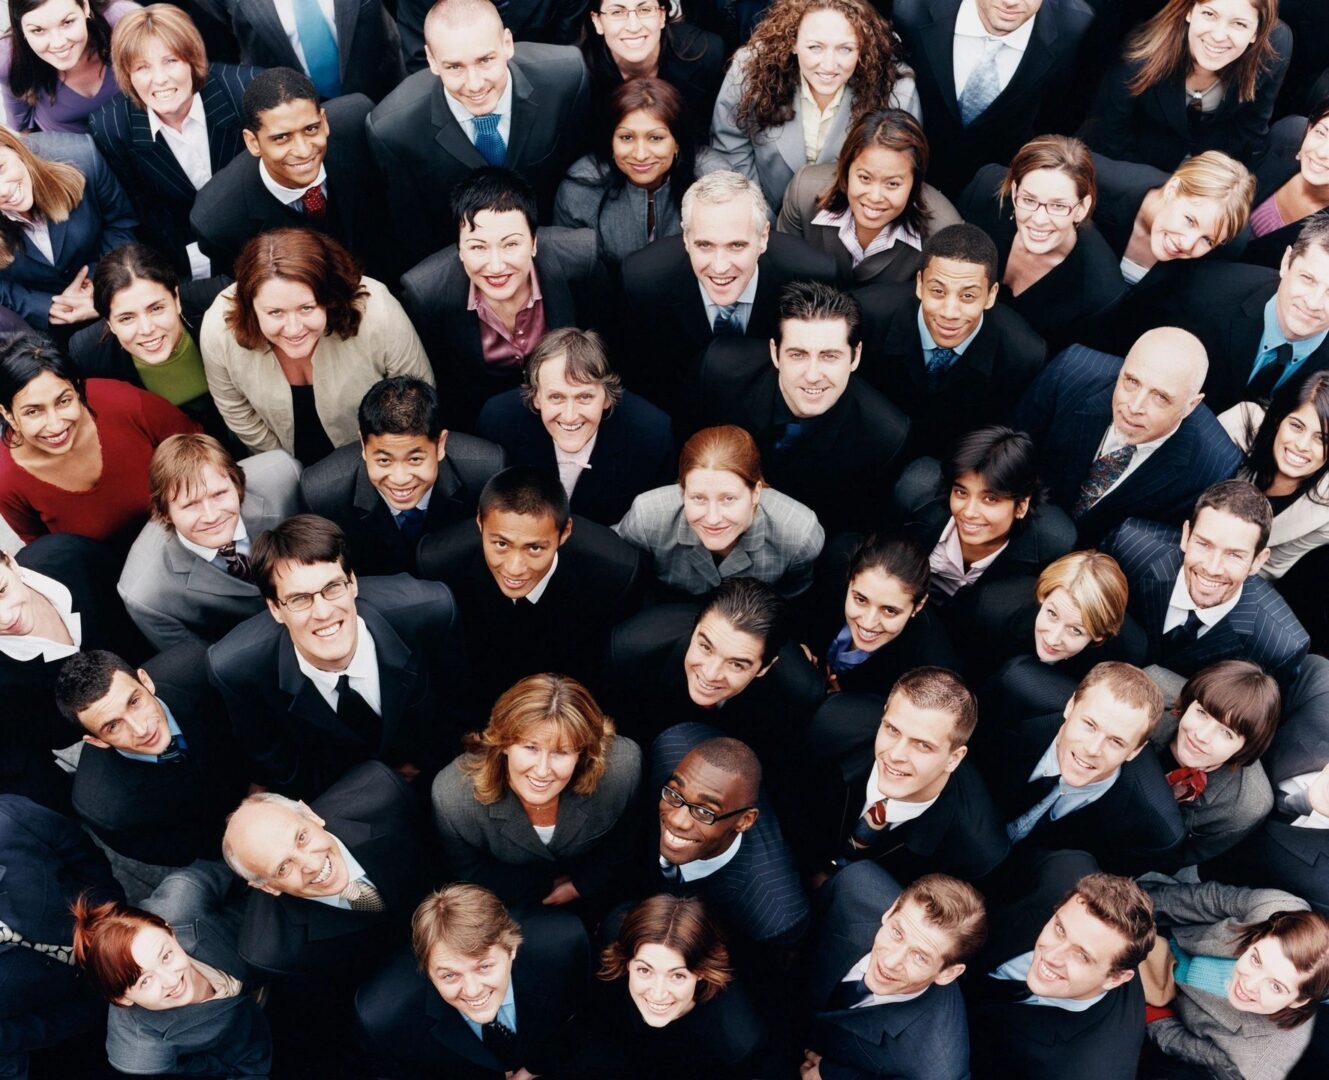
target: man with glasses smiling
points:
(328, 677)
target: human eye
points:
(1229, 734)
(924, 747)
(703, 646)
(1078, 631)
(1082, 956)
(680, 976)
(918, 958)
(1058, 929)
(1090, 724)
(307, 308)
(134, 700)
(895, 933)
(1117, 742)
(638, 969)
(488, 965)
(111, 728)
(891, 730)
(1277, 987)
(501, 545)
(283, 869)
(302, 837)
(311, 129)
(891, 611)
(1255, 958)
(144, 982)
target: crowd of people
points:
(621, 539)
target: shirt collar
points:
(284, 195)
(897, 810)
(860, 969)
(1274, 336)
(196, 115)
(883, 241)
(354, 872)
(207, 554)
(534, 595)
(1048, 767)
(28, 647)
(929, 344)
(423, 504)
(748, 296)
(950, 539)
(363, 665)
(1211, 616)
(1113, 441)
(1018, 970)
(171, 725)
(582, 457)
(701, 868)
(463, 115)
(968, 24)
(808, 98)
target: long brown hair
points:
(891, 129)
(56, 189)
(1161, 49)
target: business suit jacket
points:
(1261, 628)
(923, 1039)
(839, 464)
(1278, 165)
(407, 1021)
(338, 488)
(173, 595)
(634, 451)
(1047, 69)
(102, 221)
(148, 168)
(435, 294)
(294, 741)
(372, 812)
(423, 152)
(980, 388)
(1067, 410)
(899, 262)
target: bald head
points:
(280, 846)
(468, 49)
(1159, 385)
(452, 14)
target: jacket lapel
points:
(156, 156)
(346, 14)
(224, 126)
(263, 14)
(525, 112)
(938, 39)
(448, 133)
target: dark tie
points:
(848, 994)
(175, 750)
(1262, 383)
(865, 832)
(940, 362)
(726, 321)
(789, 434)
(501, 1041)
(1180, 637)
(487, 139)
(237, 565)
(1103, 473)
(672, 873)
(1014, 991)
(314, 202)
(362, 895)
(355, 713)
(411, 524)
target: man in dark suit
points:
(944, 351)
(535, 594)
(1079, 779)
(329, 677)
(483, 101)
(883, 988)
(478, 995)
(307, 166)
(1199, 597)
(827, 439)
(159, 770)
(1126, 438)
(482, 306)
(333, 881)
(407, 477)
(722, 277)
(1053, 997)
(981, 105)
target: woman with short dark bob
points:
(871, 209)
(294, 344)
(535, 808)
(1292, 184)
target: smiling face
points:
(520, 548)
(644, 148)
(1300, 443)
(57, 31)
(983, 517)
(1059, 631)
(1000, 17)
(719, 506)
(471, 58)
(1219, 31)
(1265, 981)
(167, 978)
(909, 953)
(913, 750)
(827, 52)
(1098, 735)
(290, 317)
(289, 850)
(163, 80)
(325, 633)
(1302, 300)
(1314, 153)
(877, 608)
(570, 411)
(292, 141)
(724, 243)
(684, 839)
(1203, 741)
(497, 253)
(47, 414)
(660, 984)
(1156, 390)
(1185, 227)
(1057, 210)
(954, 295)
(15, 183)
(633, 41)
(206, 512)
(473, 985)
(721, 661)
(1074, 955)
(878, 187)
(541, 765)
(814, 360)
(1219, 553)
(128, 717)
(16, 602)
(402, 468)
(145, 319)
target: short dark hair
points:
(751, 607)
(1123, 905)
(306, 539)
(528, 491)
(941, 689)
(274, 87)
(1241, 499)
(496, 190)
(1006, 459)
(897, 556)
(23, 357)
(400, 405)
(122, 267)
(734, 757)
(812, 301)
(1240, 695)
(964, 243)
(85, 678)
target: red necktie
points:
(315, 202)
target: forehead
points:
(276, 291)
(1219, 526)
(1113, 716)
(140, 292)
(496, 224)
(1313, 261)
(51, 11)
(1085, 930)
(732, 643)
(642, 120)
(47, 386)
(1063, 603)
(814, 335)
(289, 115)
(148, 944)
(264, 832)
(464, 42)
(1158, 368)
(724, 222)
(520, 528)
(912, 920)
(702, 782)
(972, 481)
(882, 159)
(117, 694)
(208, 478)
(393, 443)
(1275, 961)
(660, 957)
(955, 273)
(1049, 184)
(553, 375)
(704, 481)
(543, 732)
(290, 576)
(930, 725)
(1233, 9)
(825, 25)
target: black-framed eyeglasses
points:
(704, 814)
(303, 601)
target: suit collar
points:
(204, 577)
(263, 14)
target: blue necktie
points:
(411, 523)
(982, 86)
(175, 749)
(726, 321)
(487, 139)
(1022, 826)
(320, 47)
(790, 434)
(940, 362)
(847, 995)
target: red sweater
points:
(131, 423)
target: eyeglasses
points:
(703, 814)
(1030, 205)
(622, 14)
(303, 601)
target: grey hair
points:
(722, 187)
(228, 848)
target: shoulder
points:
(577, 247)
(785, 512)
(117, 10)
(549, 65)
(405, 601)
(587, 170)
(399, 115)
(382, 311)
(140, 577)
(661, 502)
(454, 787)
(71, 148)
(1083, 364)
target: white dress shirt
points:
(29, 646)
(286, 16)
(1069, 799)
(466, 118)
(1180, 605)
(354, 872)
(971, 38)
(290, 196)
(241, 540)
(897, 810)
(362, 672)
(947, 562)
(701, 868)
(38, 232)
(534, 595)
(191, 149)
(860, 969)
(1295, 785)
(1018, 970)
(570, 466)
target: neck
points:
(648, 68)
(176, 120)
(543, 814)
(1282, 484)
(972, 553)
(507, 309)
(333, 667)
(1149, 209)
(46, 619)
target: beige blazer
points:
(254, 398)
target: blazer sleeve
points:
(1211, 902)
(1177, 1041)
(402, 352)
(1037, 407)
(593, 871)
(221, 352)
(797, 579)
(1110, 126)
(792, 219)
(118, 220)
(634, 528)
(729, 141)
(453, 802)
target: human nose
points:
(658, 992)
(950, 306)
(711, 668)
(495, 259)
(1093, 745)
(1054, 635)
(814, 370)
(542, 763)
(895, 749)
(474, 80)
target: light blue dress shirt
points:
(507, 1013)
(1273, 337)
(170, 723)
(1018, 970)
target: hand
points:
(407, 771)
(1318, 792)
(74, 305)
(563, 892)
(832, 683)
(811, 1067)
(520, 1074)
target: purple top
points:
(68, 110)
(1265, 218)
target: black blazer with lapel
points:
(1261, 628)
(294, 741)
(338, 489)
(839, 467)
(1068, 409)
(980, 388)
(923, 1039)
(148, 169)
(1047, 68)
(634, 451)
(1278, 165)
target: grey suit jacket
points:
(1207, 1031)
(778, 548)
(173, 595)
(899, 262)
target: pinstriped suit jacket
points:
(1261, 628)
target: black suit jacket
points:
(634, 451)
(923, 1039)
(294, 741)
(838, 464)
(148, 169)
(980, 388)
(1278, 165)
(371, 811)
(423, 152)
(338, 489)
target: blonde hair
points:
(178, 464)
(169, 25)
(56, 189)
(466, 919)
(1096, 586)
(1215, 176)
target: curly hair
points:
(770, 67)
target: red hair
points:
(103, 943)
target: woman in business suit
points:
(1293, 184)
(175, 122)
(292, 346)
(1055, 268)
(1200, 75)
(536, 807)
(64, 209)
(871, 209)
(811, 69)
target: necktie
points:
(672, 873)
(500, 1040)
(487, 139)
(1179, 637)
(1263, 382)
(355, 713)
(314, 202)
(725, 321)
(63, 953)
(1103, 473)
(175, 750)
(1187, 784)
(789, 434)
(319, 47)
(237, 565)
(847, 994)
(411, 524)
(940, 362)
(1022, 826)
(1294, 805)
(1014, 991)
(362, 896)
(866, 830)
(982, 86)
